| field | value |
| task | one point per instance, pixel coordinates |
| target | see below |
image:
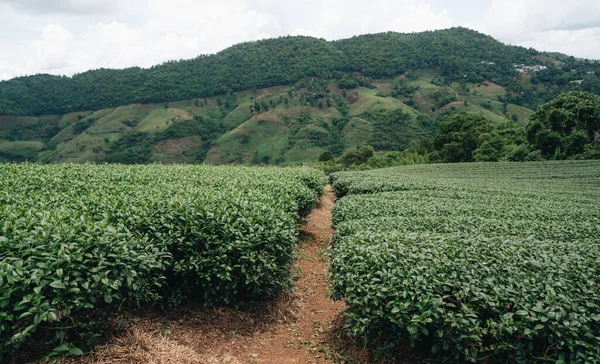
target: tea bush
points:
(78, 242)
(472, 261)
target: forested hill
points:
(456, 54)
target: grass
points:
(263, 134)
(8, 122)
(368, 100)
(303, 153)
(486, 89)
(523, 113)
(544, 58)
(113, 122)
(474, 109)
(357, 131)
(24, 149)
(384, 86)
(238, 116)
(67, 134)
(81, 149)
(181, 150)
(160, 118)
(72, 118)
(328, 113)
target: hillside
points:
(456, 53)
(280, 101)
(278, 125)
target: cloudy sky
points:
(71, 36)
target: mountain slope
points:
(284, 100)
(284, 124)
(457, 55)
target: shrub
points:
(471, 261)
(78, 242)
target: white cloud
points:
(71, 36)
(582, 42)
(63, 6)
(571, 27)
(507, 17)
(51, 52)
(178, 29)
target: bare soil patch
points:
(420, 99)
(446, 107)
(382, 85)
(177, 146)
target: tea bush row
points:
(472, 262)
(78, 242)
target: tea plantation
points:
(79, 242)
(472, 262)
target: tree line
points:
(567, 127)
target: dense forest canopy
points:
(458, 54)
(566, 127)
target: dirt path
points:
(295, 328)
(447, 106)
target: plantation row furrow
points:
(472, 261)
(506, 176)
(79, 242)
(437, 210)
(471, 225)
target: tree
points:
(453, 53)
(564, 126)
(326, 156)
(358, 155)
(264, 105)
(458, 137)
(467, 138)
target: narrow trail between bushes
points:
(296, 328)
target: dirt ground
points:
(296, 328)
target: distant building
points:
(488, 63)
(579, 82)
(521, 68)
(591, 73)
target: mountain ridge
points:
(266, 63)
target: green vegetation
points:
(80, 242)
(567, 126)
(564, 128)
(471, 261)
(138, 147)
(465, 261)
(287, 60)
(389, 91)
(468, 138)
(296, 132)
(19, 151)
(43, 130)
